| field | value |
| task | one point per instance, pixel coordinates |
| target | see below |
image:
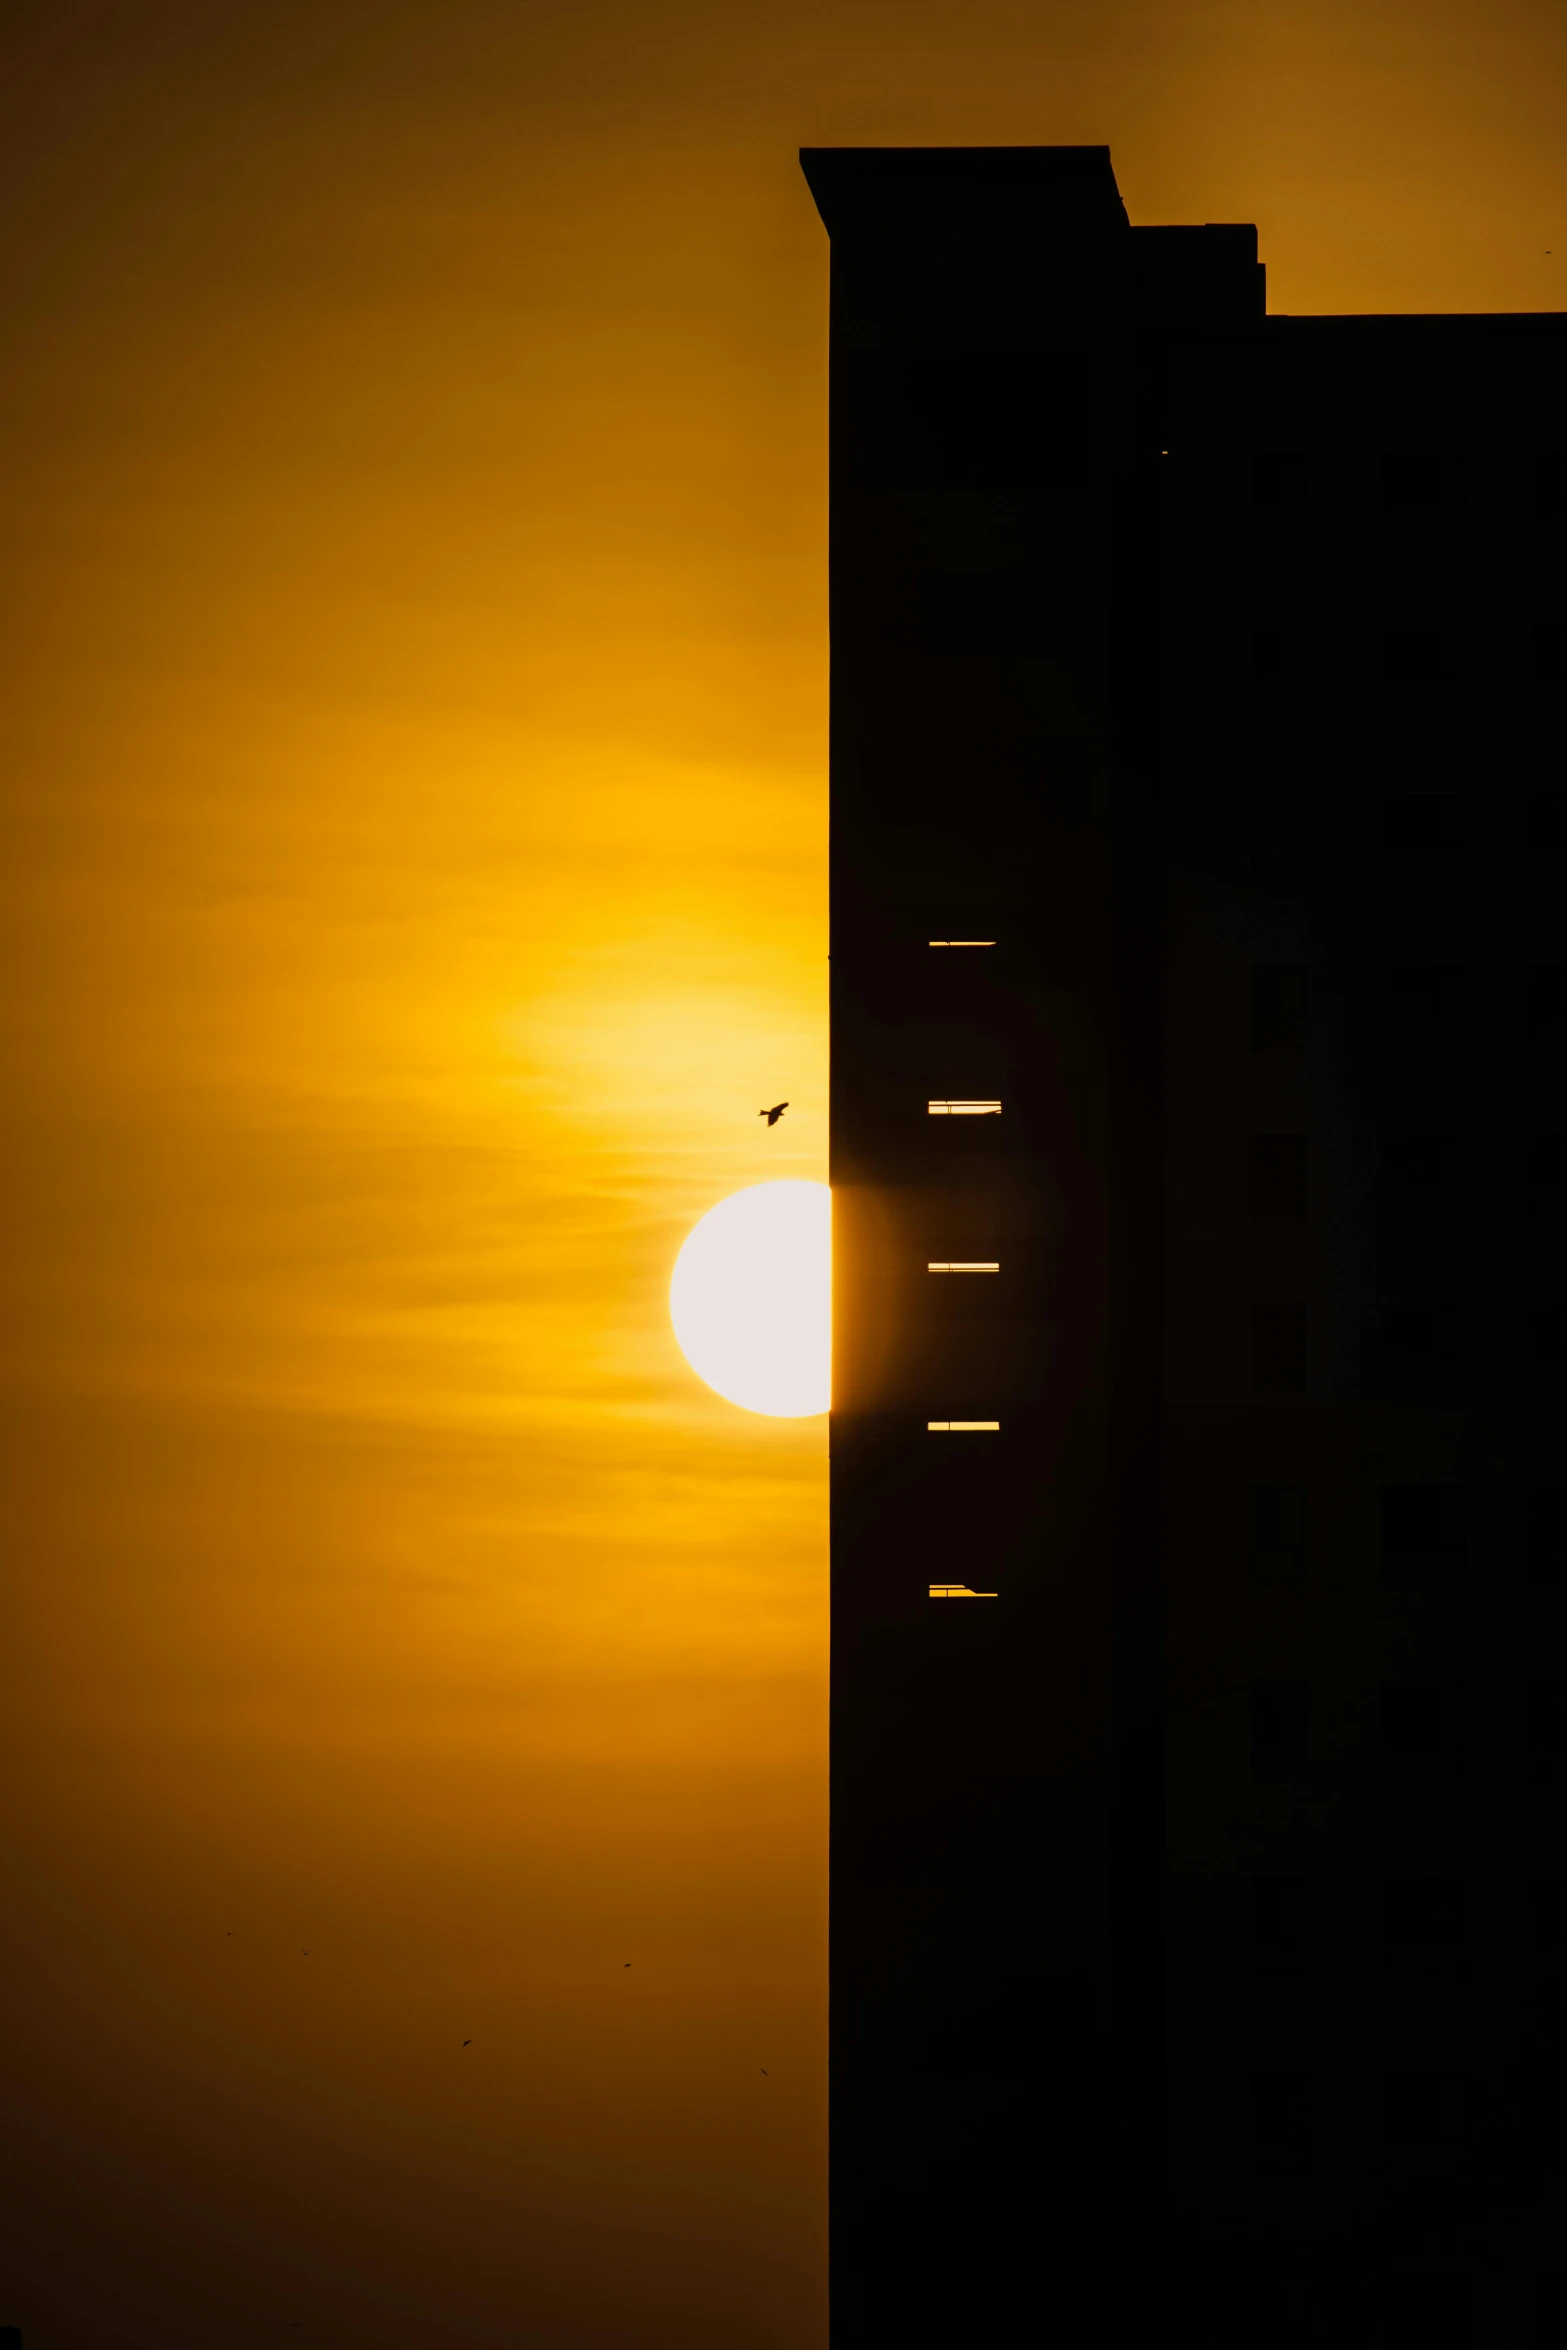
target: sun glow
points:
(751, 1298)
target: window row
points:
(1425, 493)
(1423, 1535)
(1418, 1175)
(1425, 836)
(1417, 663)
(1419, 1004)
(1419, 1350)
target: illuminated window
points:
(961, 1427)
(962, 942)
(954, 1268)
(958, 1591)
(964, 1109)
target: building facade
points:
(1199, 1160)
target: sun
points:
(751, 1298)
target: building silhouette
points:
(1199, 1158)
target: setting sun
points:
(751, 1298)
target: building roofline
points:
(1416, 322)
(854, 184)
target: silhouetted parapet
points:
(899, 189)
(1016, 233)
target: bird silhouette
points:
(774, 1114)
(467, 2043)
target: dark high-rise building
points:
(1199, 1156)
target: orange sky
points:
(412, 625)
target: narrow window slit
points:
(959, 1591)
(962, 942)
(964, 1109)
(960, 1427)
(954, 1268)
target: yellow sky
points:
(413, 714)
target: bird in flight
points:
(774, 1114)
(467, 2043)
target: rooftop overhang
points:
(1035, 190)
